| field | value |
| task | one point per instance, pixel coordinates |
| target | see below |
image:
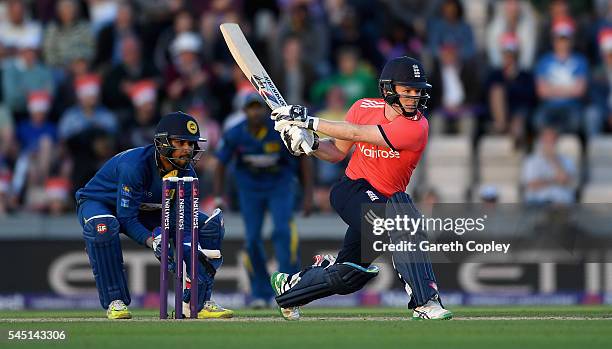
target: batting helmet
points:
(182, 126)
(404, 71)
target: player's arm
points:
(346, 131)
(129, 197)
(333, 150)
(349, 131)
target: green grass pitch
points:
(371, 328)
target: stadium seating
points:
(499, 165)
(448, 167)
(599, 187)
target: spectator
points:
(599, 112)
(7, 138)
(400, 39)
(118, 81)
(549, 177)
(88, 113)
(456, 93)
(186, 79)
(108, 44)
(101, 13)
(139, 129)
(561, 81)
(451, 28)
(24, 74)
(355, 80)
(68, 38)
(348, 29)
(37, 138)
(18, 28)
(87, 130)
(510, 91)
(56, 197)
(293, 77)
(559, 10)
(297, 21)
(489, 195)
(65, 96)
(183, 23)
(519, 18)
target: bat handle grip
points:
(306, 148)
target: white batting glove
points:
(299, 141)
(295, 115)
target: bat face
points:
(251, 67)
(249, 64)
(267, 90)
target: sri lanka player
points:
(125, 197)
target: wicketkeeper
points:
(125, 197)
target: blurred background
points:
(521, 112)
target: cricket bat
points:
(251, 67)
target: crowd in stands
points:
(84, 79)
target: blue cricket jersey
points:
(130, 183)
(261, 161)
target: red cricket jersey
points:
(388, 169)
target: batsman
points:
(125, 197)
(389, 134)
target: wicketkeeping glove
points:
(157, 249)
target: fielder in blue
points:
(264, 173)
(125, 197)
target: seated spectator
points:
(7, 137)
(88, 113)
(293, 76)
(65, 96)
(108, 43)
(599, 112)
(183, 23)
(511, 92)
(548, 177)
(561, 82)
(186, 79)
(451, 27)
(139, 129)
(118, 81)
(455, 95)
(101, 13)
(298, 20)
(18, 28)
(37, 138)
(22, 75)
(68, 38)
(56, 197)
(87, 130)
(489, 195)
(400, 39)
(355, 80)
(517, 17)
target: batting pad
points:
(104, 249)
(413, 268)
